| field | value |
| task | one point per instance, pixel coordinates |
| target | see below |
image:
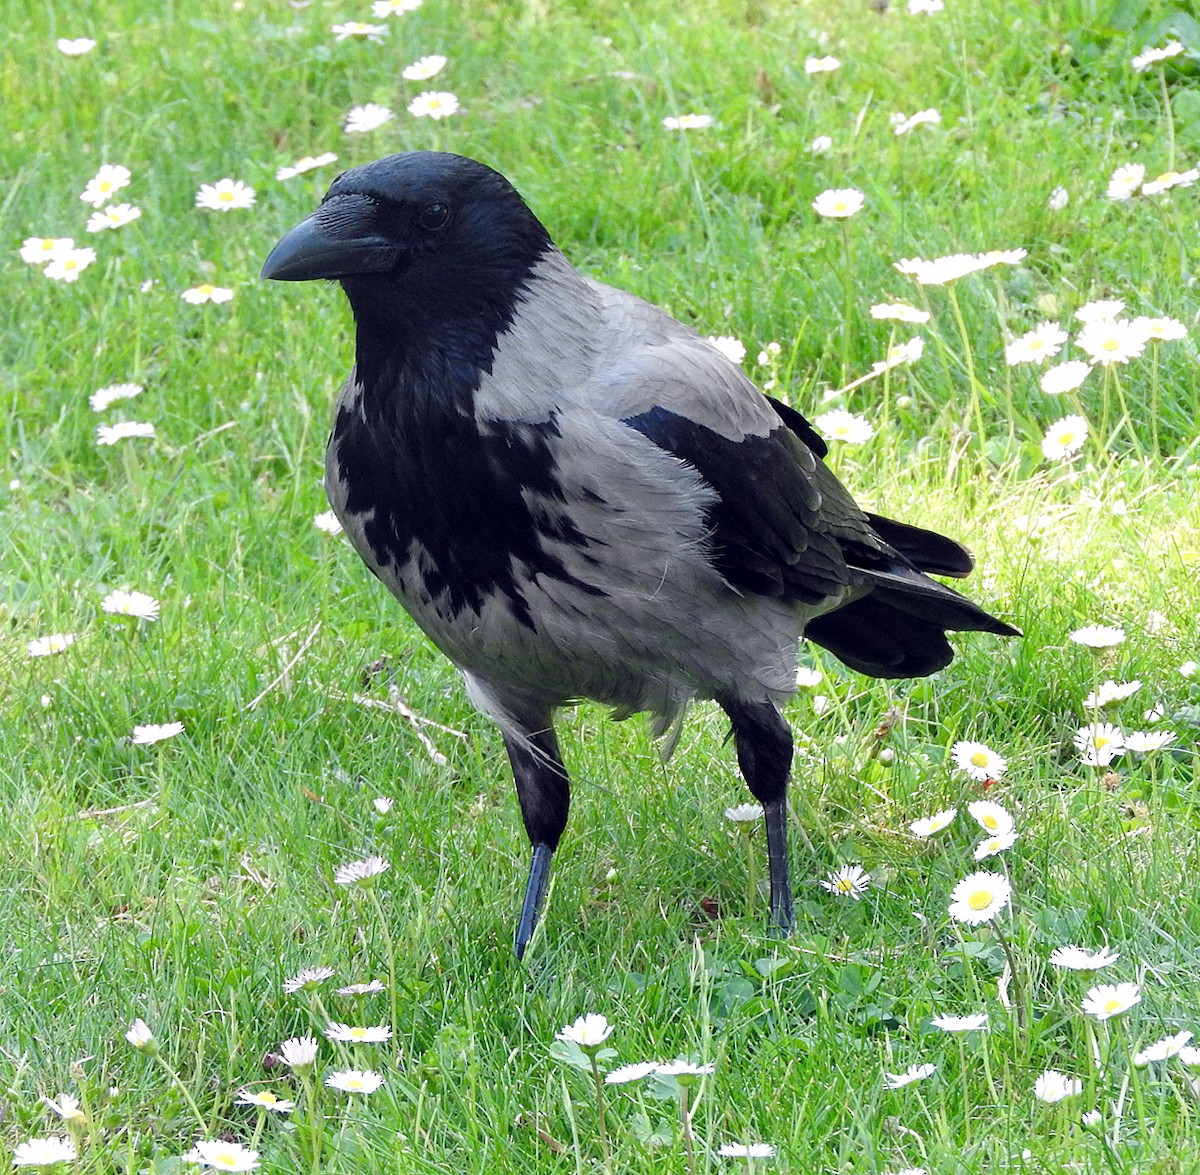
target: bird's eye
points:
(434, 216)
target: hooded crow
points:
(576, 496)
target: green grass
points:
(184, 882)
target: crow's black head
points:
(427, 246)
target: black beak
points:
(338, 245)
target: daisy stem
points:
(969, 359)
(1154, 399)
(183, 1089)
(685, 1119)
(751, 869)
(569, 1106)
(966, 1087)
(258, 1128)
(314, 1121)
(1094, 1046)
(848, 286)
(390, 947)
(1126, 419)
(1135, 1082)
(599, 1084)
(1169, 117)
(1018, 997)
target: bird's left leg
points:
(764, 751)
(544, 791)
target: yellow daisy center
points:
(1102, 741)
(980, 899)
(990, 821)
(205, 288)
(225, 1159)
(268, 1098)
(844, 885)
(1066, 438)
(1112, 1005)
(1110, 344)
(358, 1033)
(979, 759)
(226, 196)
(355, 1083)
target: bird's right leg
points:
(544, 791)
(764, 751)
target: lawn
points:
(178, 792)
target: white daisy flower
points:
(1100, 310)
(1160, 330)
(358, 1034)
(847, 881)
(300, 1051)
(807, 678)
(145, 736)
(307, 163)
(589, 1031)
(222, 1156)
(139, 1035)
(264, 1099)
(744, 813)
(979, 897)
(732, 348)
(1037, 345)
(39, 250)
(1065, 377)
(105, 184)
(940, 271)
(114, 216)
(1109, 692)
(394, 7)
(44, 1152)
(47, 646)
(307, 980)
(839, 203)
(1125, 181)
(1099, 743)
(1189, 669)
(928, 825)
(978, 760)
(915, 7)
(69, 264)
(1143, 742)
(127, 603)
(1064, 438)
(911, 1074)
(899, 312)
(67, 1108)
(1053, 1086)
(110, 434)
(1163, 1050)
(682, 1068)
(328, 522)
(382, 804)
(820, 144)
(433, 104)
(1111, 340)
(359, 28)
(357, 872)
(1170, 179)
(821, 65)
(225, 195)
(365, 118)
(973, 1023)
(1059, 199)
(990, 846)
(899, 355)
(746, 1150)
(1110, 999)
(75, 46)
(839, 425)
(687, 122)
(1149, 56)
(991, 817)
(1098, 636)
(901, 124)
(206, 292)
(369, 988)
(635, 1072)
(101, 398)
(1073, 958)
(424, 68)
